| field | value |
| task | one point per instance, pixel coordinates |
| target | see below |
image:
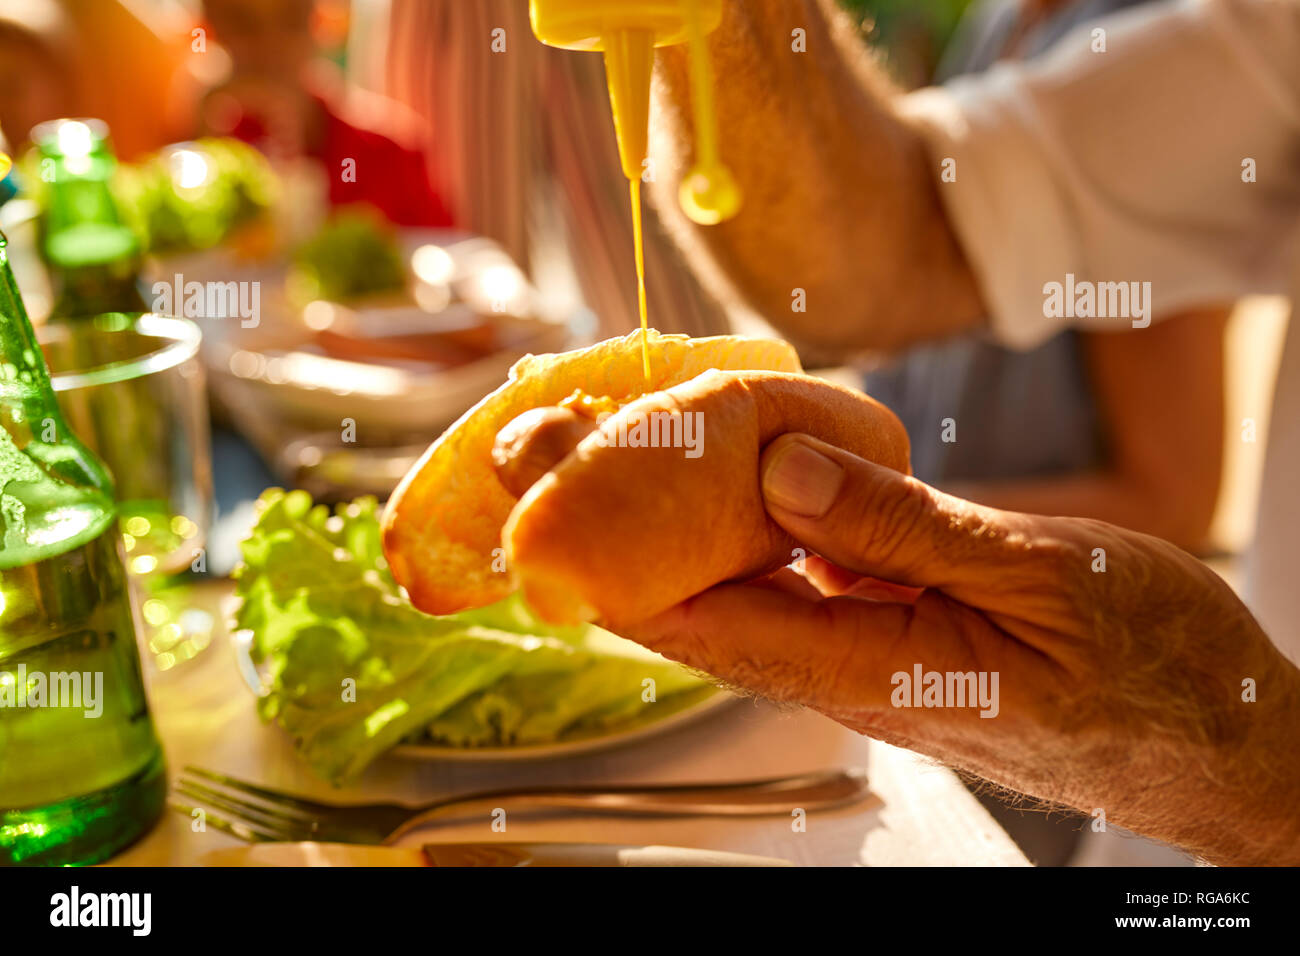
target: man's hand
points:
(1123, 689)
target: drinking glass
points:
(133, 388)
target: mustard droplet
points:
(709, 195)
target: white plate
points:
(684, 709)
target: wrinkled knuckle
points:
(885, 516)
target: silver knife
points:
(480, 854)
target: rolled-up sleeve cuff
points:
(1009, 216)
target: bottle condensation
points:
(93, 256)
(81, 769)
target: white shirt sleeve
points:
(1128, 164)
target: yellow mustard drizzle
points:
(635, 191)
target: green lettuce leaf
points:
(352, 668)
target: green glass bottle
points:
(81, 769)
(94, 257)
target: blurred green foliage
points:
(232, 185)
(910, 34)
(239, 187)
(355, 253)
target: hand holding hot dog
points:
(1145, 691)
(1120, 690)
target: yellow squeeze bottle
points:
(627, 31)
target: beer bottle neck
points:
(30, 418)
(82, 224)
(93, 255)
(22, 366)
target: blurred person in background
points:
(1124, 428)
(127, 62)
(34, 81)
(282, 96)
(526, 155)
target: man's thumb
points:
(879, 522)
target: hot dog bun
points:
(443, 523)
(621, 533)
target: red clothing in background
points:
(391, 177)
(386, 174)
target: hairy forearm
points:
(840, 196)
(1187, 735)
(1233, 804)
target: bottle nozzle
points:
(629, 58)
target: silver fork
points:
(263, 814)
